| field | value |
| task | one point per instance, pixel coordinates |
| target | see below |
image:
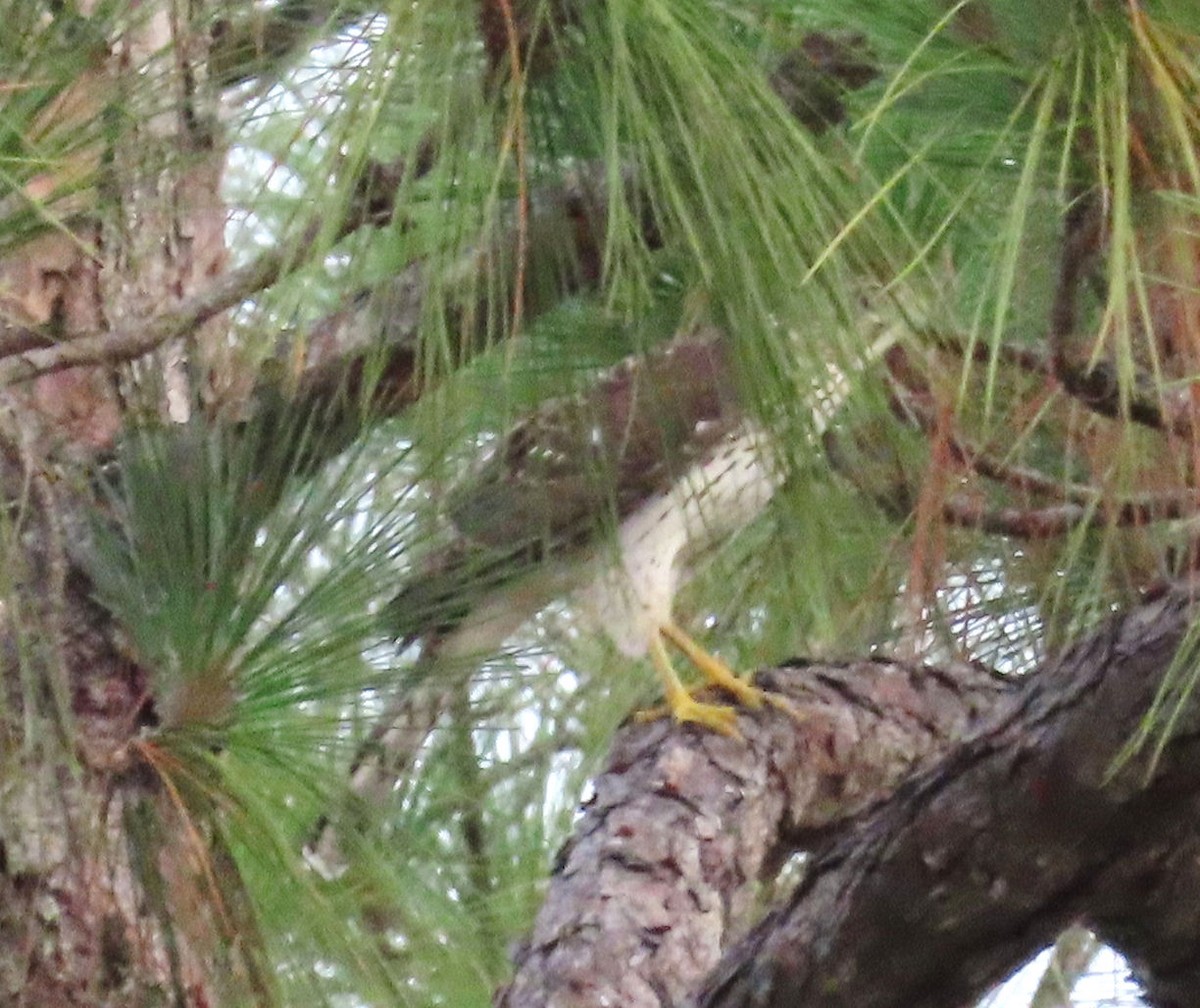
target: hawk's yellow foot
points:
(720, 674)
(715, 671)
(681, 705)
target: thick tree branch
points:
(664, 864)
(934, 896)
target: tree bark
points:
(666, 863)
(1009, 818)
(1028, 825)
(105, 885)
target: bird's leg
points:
(717, 673)
(681, 705)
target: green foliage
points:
(199, 552)
(248, 588)
(51, 120)
(940, 204)
(248, 570)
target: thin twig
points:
(1059, 519)
(140, 336)
(1095, 387)
(1075, 503)
(373, 203)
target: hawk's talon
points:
(715, 671)
(717, 717)
(683, 706)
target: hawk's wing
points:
(564, 478)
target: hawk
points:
(611, 497)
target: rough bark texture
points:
(977, 862)
(63, 894)
(664, 867)
(100, 902)
(994, 844)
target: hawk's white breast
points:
(631, 583)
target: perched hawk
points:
(610, 497)
(630, 586)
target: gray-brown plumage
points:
(610, 497)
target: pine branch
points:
(933, 897)
(1071, 505)
(663, 867)
(1094, 386)
(1058, 520)
(1075, 504)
